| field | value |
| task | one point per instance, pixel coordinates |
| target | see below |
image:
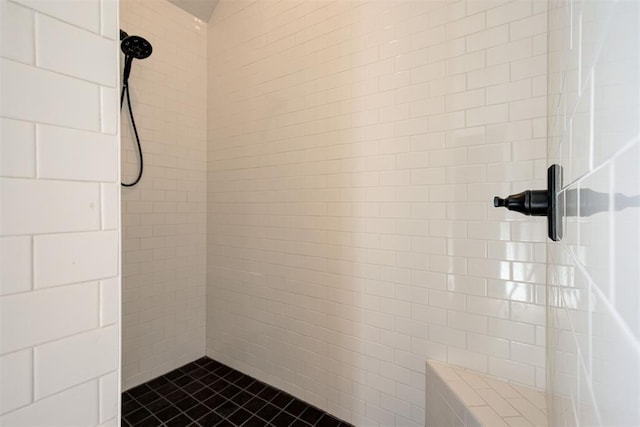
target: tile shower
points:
(315, 212)
(352, 148)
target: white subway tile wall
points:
(164, 218)
(594, 299)
(59, 330)
(354, 150)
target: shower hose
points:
(125, 91)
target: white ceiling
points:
(201, 9)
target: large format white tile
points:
(65, 153)
(17, 148)
(17, 32)
(614, 381)
(109, 111)
(616, 104)
(109, 397)
(77, 257)
(109, 19)
(75, 52)
(110, 203)
(109, 301)
(626, 238)
(43, 212)
(16, 376)
(77, 407)
(41, 316)
(15, 264)
(55, 54)
(594, 316)
(63, 363)
(84, 14)
(47, 97)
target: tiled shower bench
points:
(459, 397)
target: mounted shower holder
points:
(539, 202)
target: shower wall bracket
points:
(539, 202)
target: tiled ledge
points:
(460, 397)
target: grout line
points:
(88, 282)
(71, 387)
(97, 85)
(31, 178)
(36, 46)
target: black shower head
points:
(136, 47)
(133, 47)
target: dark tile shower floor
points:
(208, 393)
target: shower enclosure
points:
(315, 210)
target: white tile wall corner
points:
(59, 250)
(164, 219)
(354, 149)
(594, 100)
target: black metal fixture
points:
(574, 202)
(539, 202)
(133, 47)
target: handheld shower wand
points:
(133, 47)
